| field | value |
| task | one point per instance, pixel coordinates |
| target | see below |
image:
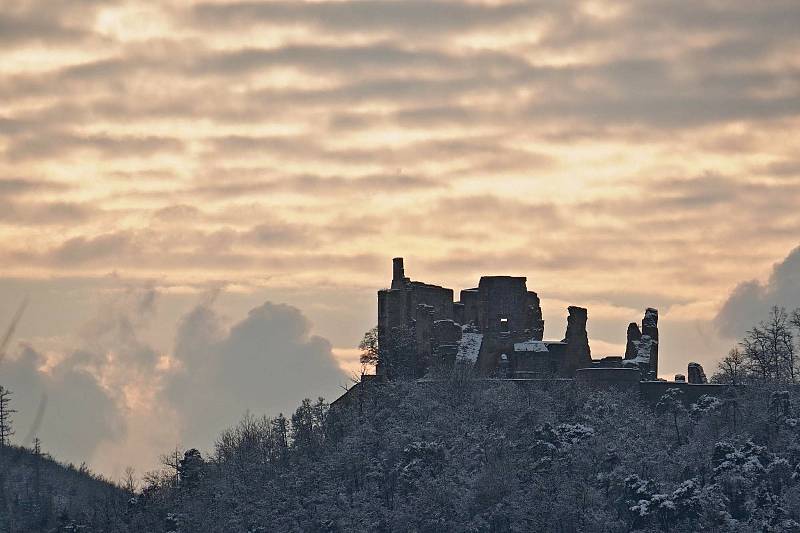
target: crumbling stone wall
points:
(494, 345)
(546, 365)
(604, 377)
(412, 306)
(697, 375)
(634, 336)
(423, 337)
(470, 299)
(535, 319)
(439, 298)
(446, 332)
(503, 304)
(504, 312)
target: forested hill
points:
(469, 455)
(38, 494)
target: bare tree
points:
(732, 368)
(370, 352)
(769, 349)
(128, 481)
(171, 462)
(6, 427)
(37, 471)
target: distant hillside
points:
(39, 494)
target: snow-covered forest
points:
(478, 456)
(469, 456)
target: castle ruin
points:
(497, 329)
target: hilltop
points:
(37, 493)
(490, 455)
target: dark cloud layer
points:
(406, 16)
(44, 213)
(751, 301)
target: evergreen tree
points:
(671, 404)
(6, 426)
(190, 469)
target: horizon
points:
(202, 198)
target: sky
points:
(200, 199)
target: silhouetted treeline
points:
(38, 494)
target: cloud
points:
(265, 363)
(279, 234)
(106, 382)
(178, 212)
(86, 381)
(750, 301)
(403, 17)
(356, 60)
(79, 250)
(245, 182)
(20, 186)
(32, 26)
(43, 213)
(78, 414)
(53, 143)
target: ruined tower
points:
(642, 347)
(577, 353)
(406, 315)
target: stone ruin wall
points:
(505, 313)
(501, 308)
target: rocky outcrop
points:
(696, 374)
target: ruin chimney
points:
(398, 273)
